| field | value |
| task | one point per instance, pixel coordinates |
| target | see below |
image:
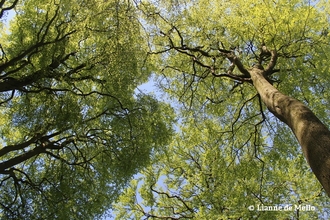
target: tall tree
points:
(226, 62)
(73, 128)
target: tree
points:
(73, 128)
(225, 61)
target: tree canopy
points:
(74, 128)
(231, 155)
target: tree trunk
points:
(312, 135)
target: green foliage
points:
(74, 131)
(205, 174)
(229, 152)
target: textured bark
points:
(312, 135)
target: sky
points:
(148, 87)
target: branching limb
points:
(236, 61)
(174, 197)
(21, 146)
(2, 2)
(271, 65)
(191, 51)
(232, 76)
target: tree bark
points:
(312, 135)
(20, 158)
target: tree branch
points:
(7, 8)
(10, 83)
(31, 50)
(235, 60)
(19, 159)
(16, 147)
(172, 197)
(270, 67)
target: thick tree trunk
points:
(312, 135)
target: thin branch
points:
(240, 111)
(7, 8)
(232, 76)
(33, 49)
(10, 98)
(172, 197)
(270, 67)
